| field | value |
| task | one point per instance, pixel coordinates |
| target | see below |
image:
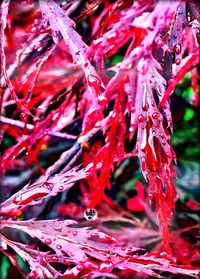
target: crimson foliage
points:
(85, 90)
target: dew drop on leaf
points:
(143, 163)
(108, 237)
(32, 275)
(94, 234)
(111, 39)
(160, 43)
(58, 228)
(150, 195)
(48, 241)
(163, 142)
(132, 109)
(102, 100)
(178, 61)
(93, 81)
(90, 214)
(155, 115)
(141, 118)
(61, 188)
(66, 261)
(17, 200)
(54, 259)
(168, 155)
(177, 48)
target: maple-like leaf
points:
(86, 91)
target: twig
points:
(30, 127)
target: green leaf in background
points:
(117, 58)
(5, 264)
(187, 94)
(189, 114)
(22, 264)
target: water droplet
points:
(150, 195)
(143, 163)
(77, 53)
(58, 228)
(33, 275)
(102, 100)
(90, 214)
(177, 48)
(94, 81)
(54, 259)
(94, 234)
(74, 233)
(61, 188)
(155, 115)
(129, 66)
(178, 61)
(98, 165)
(129, 249)
(143, 66)
(113, 114)
(163, 254)
(160, 43)
(39, 49)
(145, 106)
(36, 21)
(66, 261)
(168, 155)
(123, 248)
(48, 241)
(55, 33)
(141, 118)
(111, 38)
(132, 109)
(45, 261)
(108, 237)
(59, 247)
(80, 267)
(17, 200)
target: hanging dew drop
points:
(177, 48)
(90, 214)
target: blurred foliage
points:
(185, 139)
(5, 264)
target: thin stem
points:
(30, 127)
